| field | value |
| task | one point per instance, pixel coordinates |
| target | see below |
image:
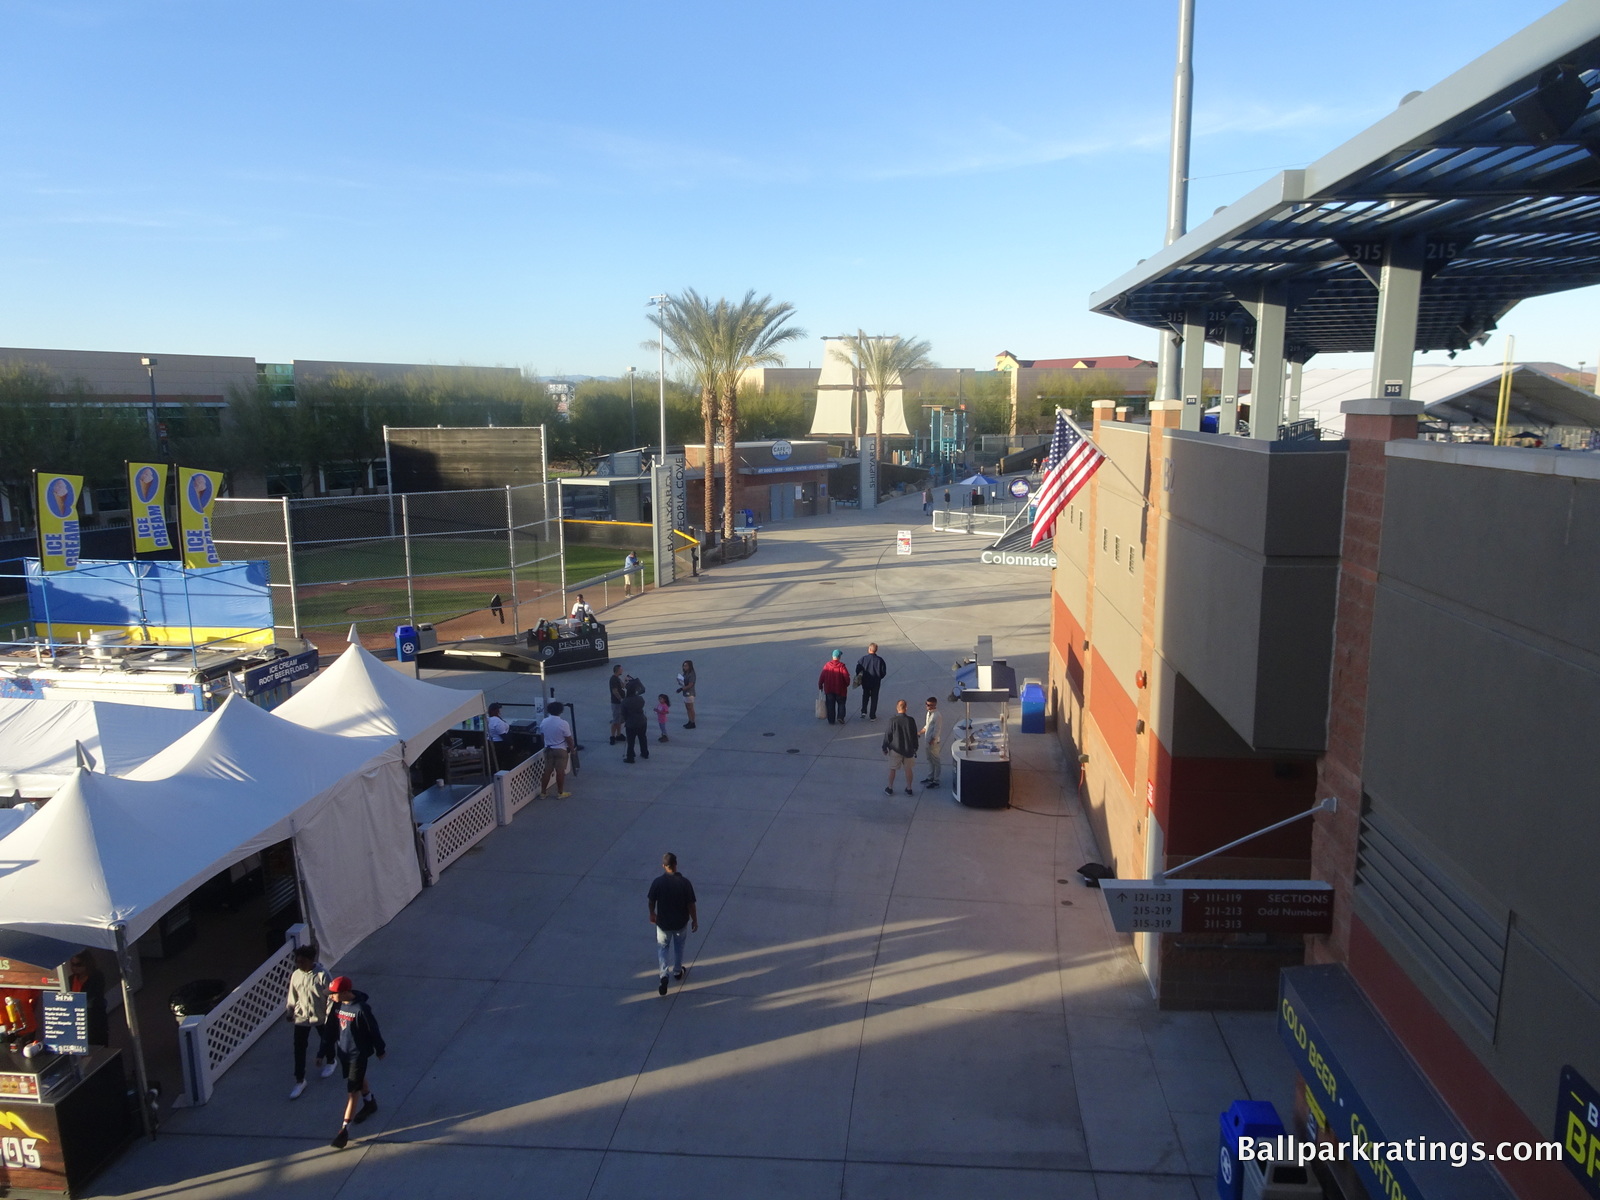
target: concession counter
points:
(66, 1108)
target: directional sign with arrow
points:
(1219, 905)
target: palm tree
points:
(755, 330)
(881, 363)
(695, 329)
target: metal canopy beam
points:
(1497, 168)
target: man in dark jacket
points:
(900, 744)
(634, 724)
(359, 1040)
(870, 670)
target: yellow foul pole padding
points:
(1502, 412)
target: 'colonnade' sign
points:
(1004, 558)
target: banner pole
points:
(44, 575)
(194, 650)
(133, 512)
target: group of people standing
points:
(903, 738)
(628, 721)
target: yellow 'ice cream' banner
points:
(147, 496)
(197, 492)
(58, 520)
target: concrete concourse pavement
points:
(888, 997)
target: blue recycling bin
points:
(1032, 706)
(405, 643)
(749, 518)
(1244, 1118)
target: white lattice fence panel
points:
(213, 1042)
(519, 787)
(452, 835)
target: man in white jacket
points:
(308, 1009)
(932, 735)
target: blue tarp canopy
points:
(156, 601)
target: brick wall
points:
(1333, 847)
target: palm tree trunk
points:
(858, 408)
(877, 412)
(708, 410)
(730, 456)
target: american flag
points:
(1073, 458)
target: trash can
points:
(405, 643)
(749, 518)
(1280, 1181)
(1244, 1118)
(198, 998)
(1032, 706)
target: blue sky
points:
(509, 182)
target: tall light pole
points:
(633, 416)
(1178, 190)
(660, 303)
(149, 364)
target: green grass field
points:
(384, 601)
(14, 615)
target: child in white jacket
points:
(309, 1009)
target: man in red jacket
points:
(835, 685)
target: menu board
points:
(66, 1023)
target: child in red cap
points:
(359, 1040)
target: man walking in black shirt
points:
(672, 908)
(870, 670)
(900, 744)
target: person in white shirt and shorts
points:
(558, 744)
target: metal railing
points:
(605, 583)
(968, 520)
(459, 830)
(211, 1043)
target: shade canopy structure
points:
(108, 850)
(838, 398)
(1494, 173)
(359, 696)
(1459, 396)
(39, 739)
(979, 480)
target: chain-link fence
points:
(479, 562)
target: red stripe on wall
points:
(1461, 1079)
(1114, 713)
(1215, 800)
(1066, 635)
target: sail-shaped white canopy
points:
(836, 395)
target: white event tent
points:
(39, 739)
(1458, 395)
(108, 851)
(360, 696)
